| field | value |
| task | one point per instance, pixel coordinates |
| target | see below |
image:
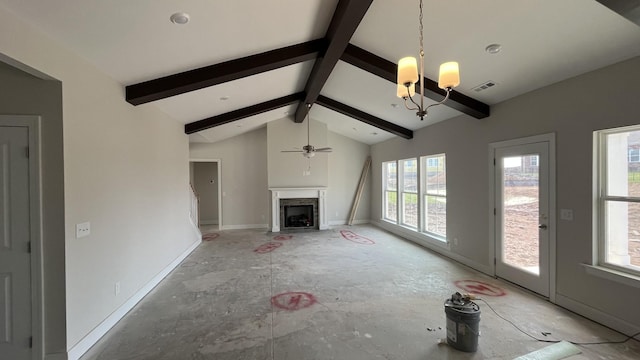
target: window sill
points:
(613, 275)
(413, 234)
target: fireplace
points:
(299, 213)
(298, 208)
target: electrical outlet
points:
(116, 288)
(83, 229)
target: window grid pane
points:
(435, 195)
(436, 215)
(391, 205)
(410, 209)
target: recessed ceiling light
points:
(374, 133)
(354, 129)
(493, 48)
(180, 18)
(224, 98)
(239, 125)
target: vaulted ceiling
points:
(240, 64)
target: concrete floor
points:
(320, 295)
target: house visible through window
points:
(618, 199)
(634, 155)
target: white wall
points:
(286, 169)
(125, 171)
(243, 167)
(572, 109)
(345, 168)
(245, 172)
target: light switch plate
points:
(566, 214)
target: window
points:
(434, 194)
(390, 191)
(409, 192)
(634, 155)
(617, 179)
(415, 195)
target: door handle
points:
(542, 226)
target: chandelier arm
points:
(407, 105)
(448, 90)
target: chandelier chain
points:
(421, 32)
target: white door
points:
(522, 218)
(15, 257)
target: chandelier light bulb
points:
(407, 70)
(449, 75)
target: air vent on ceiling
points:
(484, 86)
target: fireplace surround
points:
(307, 196)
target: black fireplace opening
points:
(299, 216)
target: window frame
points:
(385, 190)
(602, 198)
(402, 192)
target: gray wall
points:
(572, 109)
(24, 94)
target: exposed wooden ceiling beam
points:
(387, 70)
(203, 77)
(364, 117)
(345, 21)
(232, 116)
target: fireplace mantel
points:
(319, 193)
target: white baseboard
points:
(344, 222)
(56, 356)
(98, 332)
(443, 249)
(597, 315)
(209, 222)
(244, 227)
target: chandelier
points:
(408, 77)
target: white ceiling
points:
(543, 42)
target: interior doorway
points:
(524, 216)
(205, 178)
(19, 240)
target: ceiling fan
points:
(309, 150)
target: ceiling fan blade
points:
(324, 149)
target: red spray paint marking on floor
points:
(351, 236)
(480, 288)
(210, 237)
(267, 248)
(283, 237)
(293, 301)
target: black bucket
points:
(463, 321)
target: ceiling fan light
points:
(407, 71)
(449, 75)
(402, 91)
